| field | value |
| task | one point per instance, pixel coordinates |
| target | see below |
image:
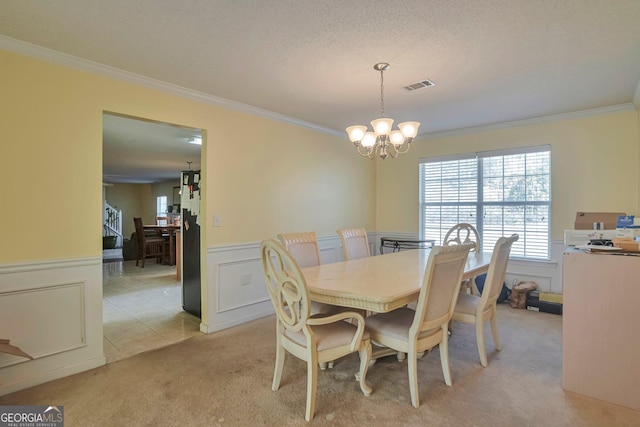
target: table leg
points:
(172, 247)
(380, 352)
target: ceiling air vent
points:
(420, 85)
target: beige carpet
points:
(224, 379)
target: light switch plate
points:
(216, 221)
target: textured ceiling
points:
(143, 152)
(493, 61)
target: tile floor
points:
(142, 309)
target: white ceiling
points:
(142, 152)
(493, 61)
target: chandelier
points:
(383, 141)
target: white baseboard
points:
(46, 376)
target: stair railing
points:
(112, 223)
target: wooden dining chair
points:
(413, 332)
(312, 339)
(303, 247)
(355, 243)
(479, 309)
(148, 246)
(163, 220)
(460, 234)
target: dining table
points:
(169, 229)
(379, 283)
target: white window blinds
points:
(499, 193)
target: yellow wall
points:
(138, 200)
(262, 177)
(128, 199)
(272, 178)
(594, 167)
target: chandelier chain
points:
(381, 93)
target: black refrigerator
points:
(190, 205)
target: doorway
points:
(142, 164)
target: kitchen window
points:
(498, 192)
(161, 205)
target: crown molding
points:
(60, 58)
(532, 121)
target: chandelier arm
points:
(406, 144)
(374, 151)
(367, 153)
(393, 152)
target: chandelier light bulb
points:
(396, 137)
(369, 140)
(356, 133)
(382, 126)
(409, 129)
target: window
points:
(161, 205)
(500, 193)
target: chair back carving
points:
(461, 234)
(303, 247)
(440, 287)
(286, 285)
(355, 243)
(317, 339)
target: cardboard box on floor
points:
(585, 220)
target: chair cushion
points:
(306, 254)
(467, 303)
(328, 336)
(395, 324)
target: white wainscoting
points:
(60, 307)
(53, 311)
(546, 274)
(237, 294)
(236, 290)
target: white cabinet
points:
(601, 327)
